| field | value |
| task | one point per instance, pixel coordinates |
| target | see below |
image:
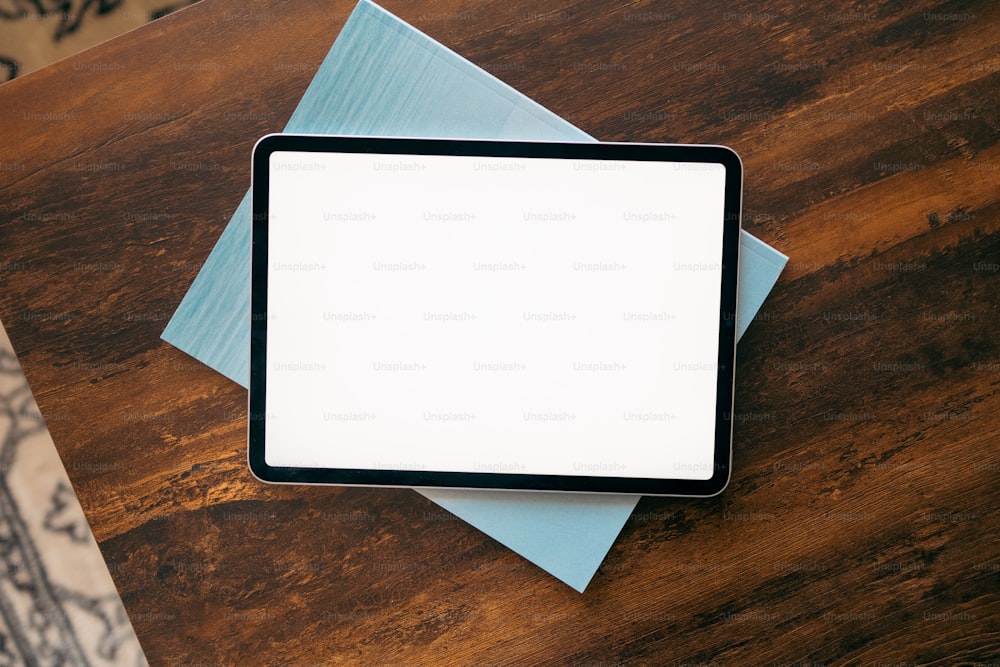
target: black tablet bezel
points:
(494, 148)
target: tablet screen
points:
(493, 314)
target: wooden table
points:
(861, 525)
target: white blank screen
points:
(481, 314)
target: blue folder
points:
(383, 77)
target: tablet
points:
(493, 314)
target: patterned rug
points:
(35, 33)
(58, 604)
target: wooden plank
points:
(860, 524)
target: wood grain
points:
(861, 523)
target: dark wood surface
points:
(861, 525)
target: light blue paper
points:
(383, 77)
